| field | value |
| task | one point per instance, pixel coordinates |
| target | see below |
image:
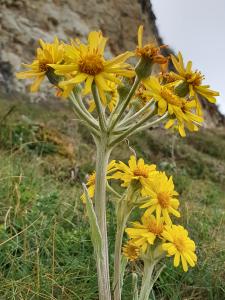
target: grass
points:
(46, 252)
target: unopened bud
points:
(182, 89)
(52, 77)
(144, 68)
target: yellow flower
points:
(166, 99)
(85, 63)
(91, 180)
(177, 107)
(145, 233)
(149, 51)
(162, 198)
(112, 98)
(179, 245)
(136, 171)
(90, 187)
(47, 54)
(185, 118)
(131, 251)
(194, 81)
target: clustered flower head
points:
(84, 64)
(115, 99)
(155, 229)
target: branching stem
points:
(101, 113)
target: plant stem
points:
(103, 153)
(123, 213)
(132, 129)
(148, 125)
(147, 281)
(98, 103)
(126, 102)
(135, 116)
(82, 114)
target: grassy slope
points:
(39, 187)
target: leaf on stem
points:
(96, 236)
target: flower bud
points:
(144, 68)
(52, 77)
(182, 89)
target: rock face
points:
(23, 22)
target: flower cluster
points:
(155, 230)
(84, 64)
(115, 99)
(160, 203)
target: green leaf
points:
(135, 286)
(96, 236)
(124, 261)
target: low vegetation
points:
(46, 252)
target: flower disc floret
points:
(91, 64)
(131, 251)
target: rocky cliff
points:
(23, 22)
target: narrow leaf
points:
(96, 236)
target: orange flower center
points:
(155, 228)
(91, 179)
(131, 251)
(140, 94)
(43, 67)
(141, 173)
(180, 244)
(195, 78)
(170, 98)
(164, 200)
(169, 77)
(91, 64)
(150, 51)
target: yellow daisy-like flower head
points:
(135, 172)
(164, 96)
(181, 110)
(162, 198)
(192, 80)
(185, 118)
(46, 54)
(131, 251)
(179, 245)
(145, 232)
(85, 63)
(91, 180)
(149, 51)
